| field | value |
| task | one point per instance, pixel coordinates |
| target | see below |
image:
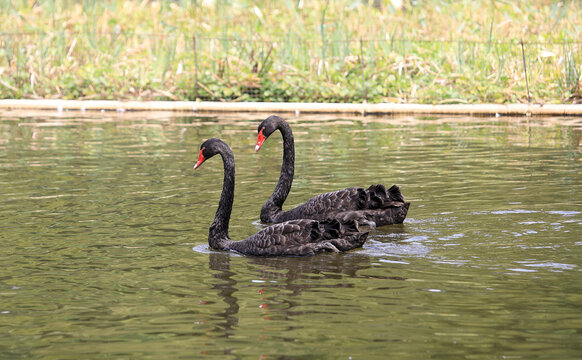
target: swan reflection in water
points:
(226, 286)
(283, 278)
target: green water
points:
(103, 228)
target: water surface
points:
(103, 226)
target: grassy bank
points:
(328, 51)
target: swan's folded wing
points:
(353, 198)
(318, 207)
(292, 238)
(287, 233)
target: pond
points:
(104, 229)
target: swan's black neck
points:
(275, 203)
(218, 234)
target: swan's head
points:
(208, 149)
(266, 128)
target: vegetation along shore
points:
(426, 52)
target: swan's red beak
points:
(260, 140)
(200, 159)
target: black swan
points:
(374, 206)
(292, 238)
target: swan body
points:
(374, 206)
(298, 237)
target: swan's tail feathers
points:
(349, 242)
(325, 230)
(343, 234)
(330, 228)
(349, 236)
(395, 194)
(362, 198)
(352, 220)
(315, 233)
(392, 215)
(376, 196)
(379, 197)
(350, 226)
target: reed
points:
(327, 51)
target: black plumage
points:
(375, 206)
(292, 238)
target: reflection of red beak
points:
(260, 140)
(200, 159)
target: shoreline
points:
(277, 107)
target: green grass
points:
(326, 51)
